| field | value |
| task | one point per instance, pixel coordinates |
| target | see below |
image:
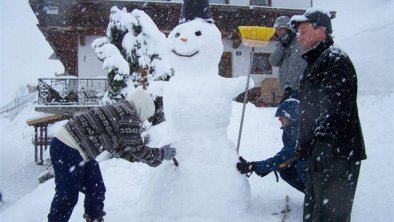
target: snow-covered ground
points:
(364, 29)
(261, 139)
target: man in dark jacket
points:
(295, 174)
(330, 132)
(115, 128)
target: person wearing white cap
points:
(115, 128)
(330, 135)
(287, 56)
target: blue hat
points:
(289, 108)
(313, 15)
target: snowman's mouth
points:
(183, 55)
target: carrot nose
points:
(184, 39)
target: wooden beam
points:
(46, 120)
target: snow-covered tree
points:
(132, 51)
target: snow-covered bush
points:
(133, 45)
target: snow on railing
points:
(71, 90)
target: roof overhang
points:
(63, 22)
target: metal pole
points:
(41, 144)
(245, 100)
(45, 137)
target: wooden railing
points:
(71, 91)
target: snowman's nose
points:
(184, 39)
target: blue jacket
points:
(295, 174)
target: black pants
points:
(329, 194)
(73, 175)
(295, 176)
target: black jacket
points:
(328, 106)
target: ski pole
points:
(245, 100)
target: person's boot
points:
(97, 219)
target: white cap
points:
(143, 104)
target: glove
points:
(322, 156)
(245, 167)
(167, 152)
(154, 163)
(260, 173)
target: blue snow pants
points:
(74, 175)
(296, 175)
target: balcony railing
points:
(71, 91)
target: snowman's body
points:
(197, 105)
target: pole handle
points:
(175, 162)
(289, 162)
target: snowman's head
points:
(195, 46)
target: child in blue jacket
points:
(294, 174)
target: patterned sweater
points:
(115, 128)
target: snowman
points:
(197, 106)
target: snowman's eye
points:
(198, 33)
(177, 35)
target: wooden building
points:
(70, 26)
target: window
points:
(219, 1)
(225, 65)
(260, 64)
(260, 2)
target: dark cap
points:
(313, 15)
(289, 108)
(192, 9)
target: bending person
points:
(294, 174)
(115, 128)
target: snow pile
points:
(24, 51)
(18, 172)
(111, 57)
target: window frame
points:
(266, 71)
